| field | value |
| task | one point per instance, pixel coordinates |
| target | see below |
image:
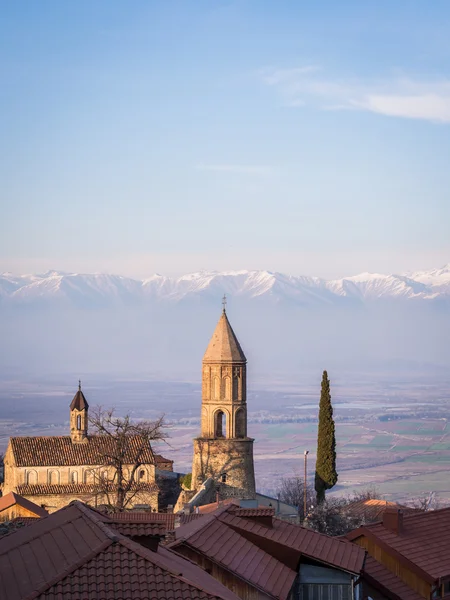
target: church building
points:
(224, 451)
(53, 471)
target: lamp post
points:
(305, 484)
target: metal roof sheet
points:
(11, 499)
(234, 552)
(423, 542)
(330, 550)
(378, 576)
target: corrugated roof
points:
(73, 554)
(74, 488)
(224, 345)
(61, 451)
(423, 542)
(11, 499)
(382, 579)
(330, 550)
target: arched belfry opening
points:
(240, 424)
(220, 424)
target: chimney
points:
(393, 520)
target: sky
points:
(174, 136)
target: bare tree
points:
(333, 517)
(292, 490)
(123, 447)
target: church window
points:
(78, 422)
(53, 477)
(227, 383)
(224, 477)
(216, 388)
(31, 477)
(74, 477)
(239, 427)
(141, 474)
(220, 424)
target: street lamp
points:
(305, 483)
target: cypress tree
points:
(326, 476)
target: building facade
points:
(53, 471)
(224, 451)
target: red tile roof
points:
(232, 551)
(373, 509)
(61, 451)
(265, 557)
(329, 550)
(389, 584)
(188, 518)
(134, 516)
(207, 508)
(253, 512)
(73, 554)
(12, 499)
(139, 529)
(423, 545)
(72, 488)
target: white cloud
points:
(238, 169)
(397, 97)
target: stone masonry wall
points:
(234, 458)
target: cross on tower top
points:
(79, 385)
(224, 302)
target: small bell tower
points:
(223, 451)
(79, 417)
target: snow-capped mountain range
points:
(277, 287)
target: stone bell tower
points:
(79, 417)
(223, 451)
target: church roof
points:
(79, 402)
(224, 345)
(60, 451)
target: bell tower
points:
(223, 451)
(79, 417)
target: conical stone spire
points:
(224, 346)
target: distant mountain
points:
(100, 289)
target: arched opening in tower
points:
(239, 424)
(220, 425)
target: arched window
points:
(31, 477)
(219, 424)
(227, 385)
(216, 388)
(141, 474)
(74, 477)
(78, 422)
(236, 386)
(53, 477)
(88, 476)
(239, 423)
(224, 477)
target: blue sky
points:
(173, 136)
